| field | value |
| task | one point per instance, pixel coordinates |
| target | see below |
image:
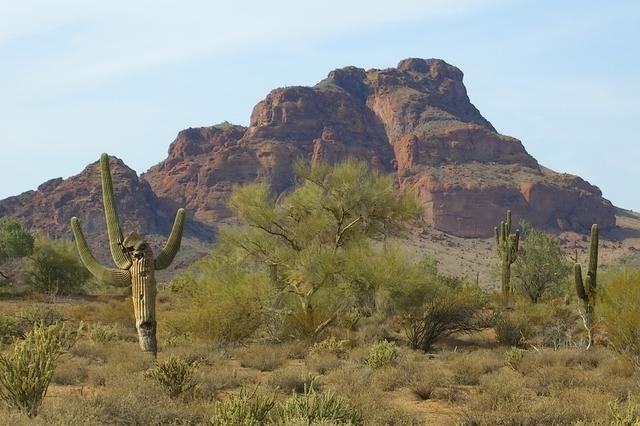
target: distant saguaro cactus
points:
(507, 246)
(587, 293)
(134, 259)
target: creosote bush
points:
(25, 372)
(510, 329)
(177, 376)
(450, 309)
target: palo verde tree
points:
(15, 241)
(310, 237)
(541, 265)
(507, 248)
(134, 259)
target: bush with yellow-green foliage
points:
(245, 408)
(26, 371)
(313, 407)
(54, 268)
(449, 308)
(382, 354)
(620, 311)
(219, 300)
(177, 376)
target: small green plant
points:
(243, 409)
(313, 407)
(624, 414)
(25, 373)
(513, 357)
(9, 327)
(176, 375)
(102, 333)
(382, 354)
(330, 345)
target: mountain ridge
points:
(415, 120)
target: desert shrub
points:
(625, 413)
(450, 309)
(176, 375)
(541, 265)
(292, 379)
(330, 345)
(54, 268)
(312, 407)
(262, 357)
(553, 323)
(242, 409)
(619, 310)
(37, 315)
(510, 329)
(102, 333)
(425, 384)
(25, 373)
(219, 300)
(71, 371)
(513, 356)
(323, 363)
(15, 241)
(9, 327)
(469, 368)
(382, 354)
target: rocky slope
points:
(414, 120)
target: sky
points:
(82, 77)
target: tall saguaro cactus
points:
(587, 289)
(135, 263)
(507, 246)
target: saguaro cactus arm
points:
(577, 272)
(112, 276)
(120, 256)
(172, 246)
(587, 290)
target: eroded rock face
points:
(414, 120)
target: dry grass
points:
(103, 382)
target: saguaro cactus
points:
(507, 246)
(587, 289)
(135, 263)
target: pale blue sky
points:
(78, 78)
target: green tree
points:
(15, 241)
(541, 264)
(311, 239)
(619, 312)
(54, 268)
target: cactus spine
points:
(135, 263)
(507, 246)
(587, 289)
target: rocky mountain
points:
(414, 120)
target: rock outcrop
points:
(414, 120)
